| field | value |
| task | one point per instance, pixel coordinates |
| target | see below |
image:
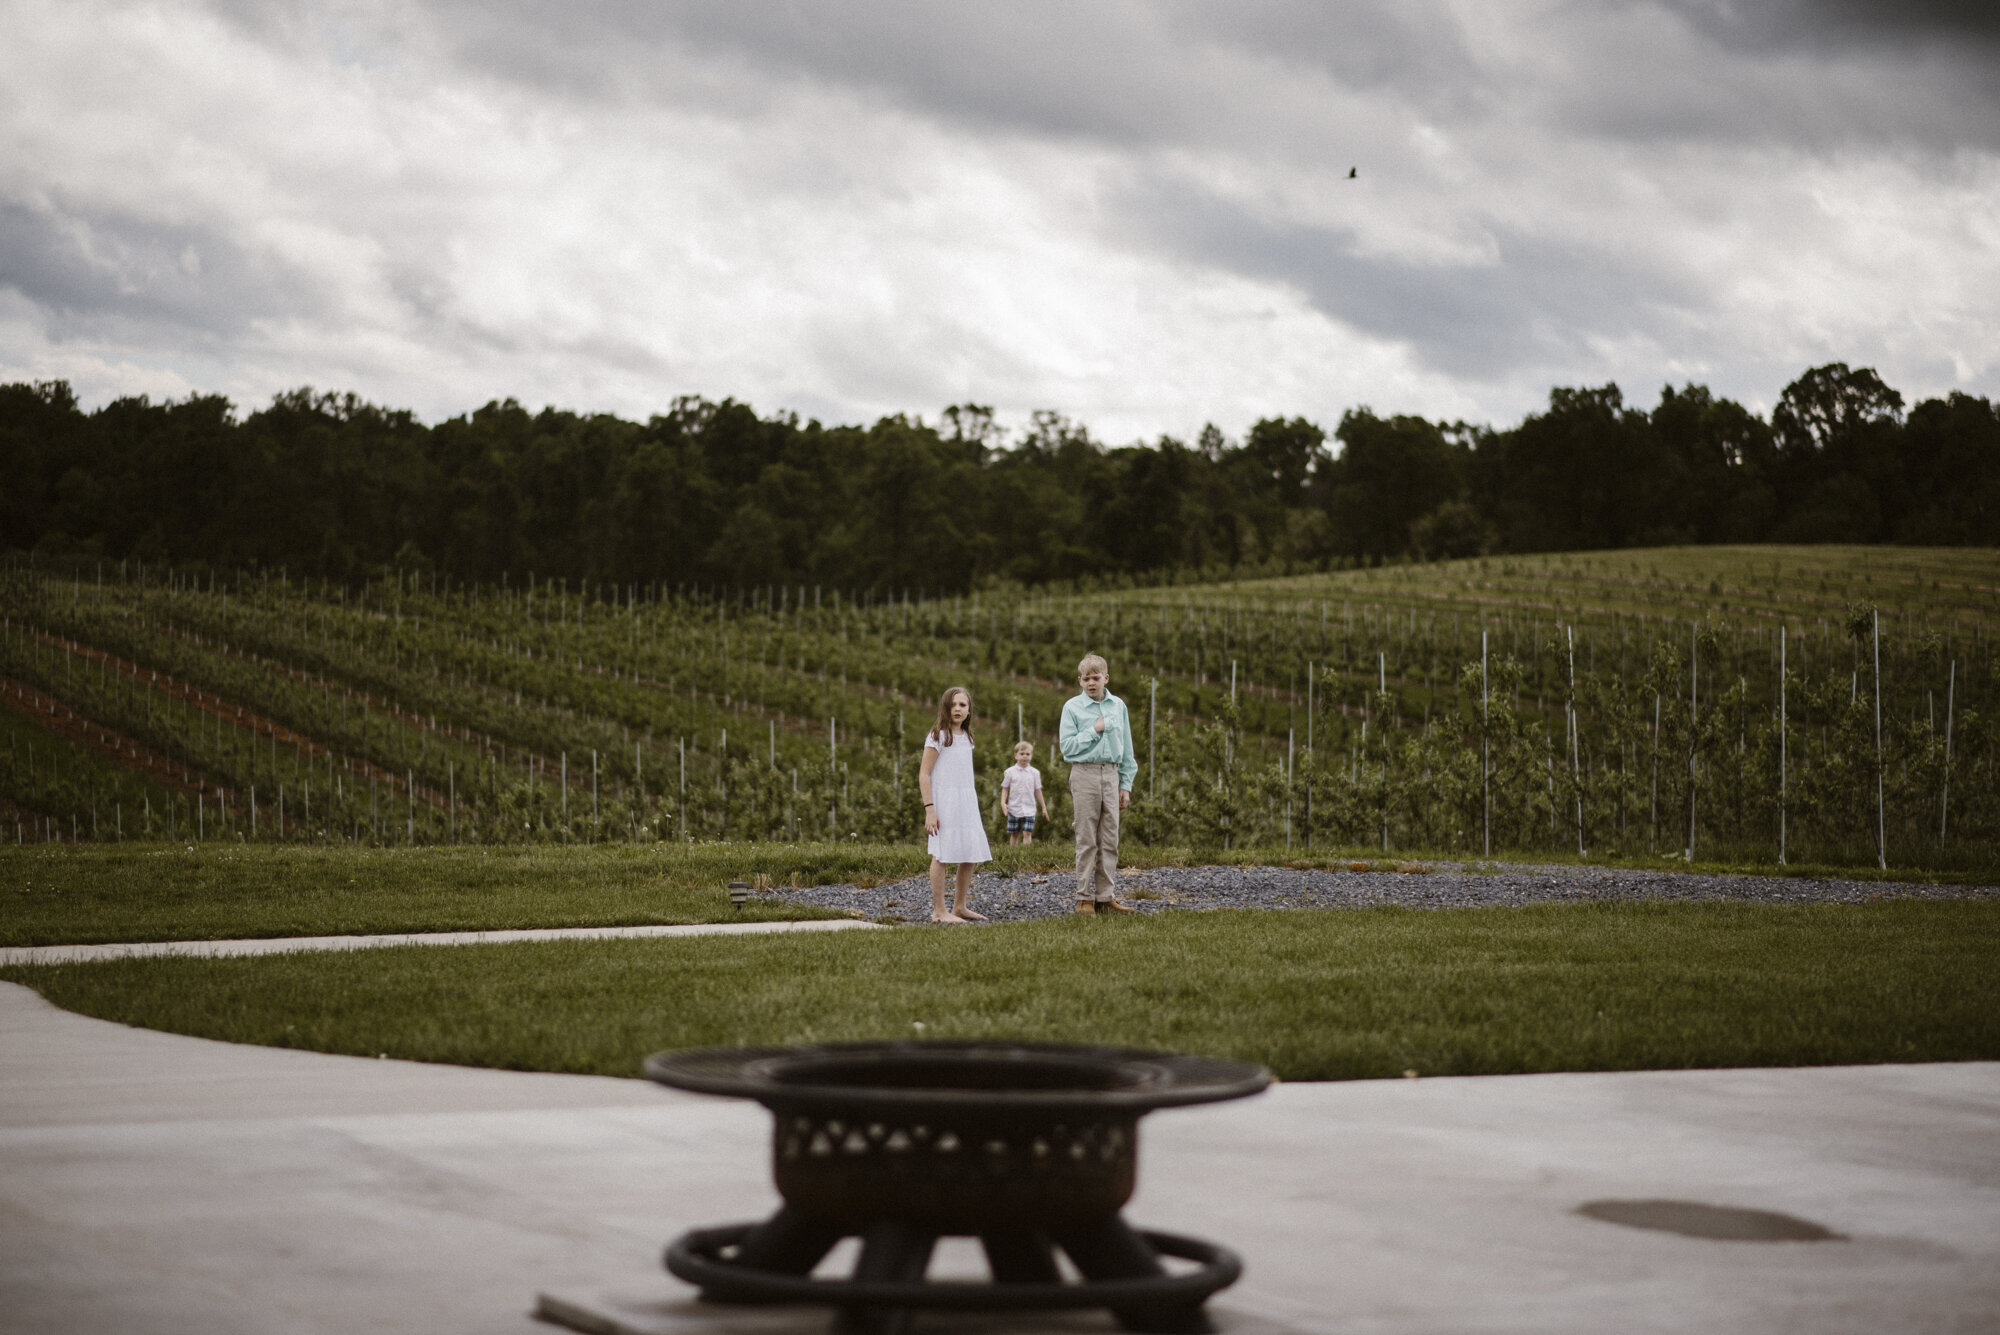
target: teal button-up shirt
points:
(1082, 744)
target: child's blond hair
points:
(1090, 661)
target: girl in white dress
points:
(951, 804)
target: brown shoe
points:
(1086, 908)
(1116, 907)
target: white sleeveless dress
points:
(961, 835)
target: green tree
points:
(1390, 473)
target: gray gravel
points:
(1436, 885)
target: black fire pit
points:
(1028, 1147)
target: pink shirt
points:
(1018, 787)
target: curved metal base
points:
(772, 1262)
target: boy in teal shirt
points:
(1096, 740)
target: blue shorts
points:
(1020, 825)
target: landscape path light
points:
(739, 891)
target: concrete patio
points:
(156, 1183)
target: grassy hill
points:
(1626, 697)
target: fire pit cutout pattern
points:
(1028, 1147)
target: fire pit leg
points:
(890, 1250)
(1110, 1249)
(1020, 1256)
(789, 1241)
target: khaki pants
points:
(1093, 791)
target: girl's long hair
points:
(943, 730)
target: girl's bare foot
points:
(968, 915)
(945, 917)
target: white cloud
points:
(1136, 214)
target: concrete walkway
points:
(280, 945)
(155, 1183)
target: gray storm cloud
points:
(1140, 214)
(1533, 303)
(1170, 73)
(83, 266)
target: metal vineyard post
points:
(1694, 736)
(1881, 827)
(1485, 756)
(1950, 698)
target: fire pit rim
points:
(1148, 1079)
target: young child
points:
(1020, 790)
(1096, 740)
(951, 805)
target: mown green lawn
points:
(89, 893)
(1315, 995)
(180, 892)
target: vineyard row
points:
(397, 713)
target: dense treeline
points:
(711, 493)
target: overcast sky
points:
(1138, 214)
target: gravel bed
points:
(1431, 885)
